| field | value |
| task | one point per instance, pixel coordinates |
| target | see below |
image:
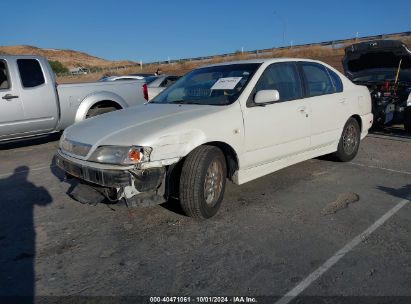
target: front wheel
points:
(349, 141)
(202, 182)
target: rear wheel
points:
(407, 119)
(202, 182)
(349, 141)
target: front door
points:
(281, 129)
(11, 107)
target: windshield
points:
(382, 75)
(216, 85)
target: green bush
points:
(58, 67)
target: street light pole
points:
(284, 22)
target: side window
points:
(282, 77)
(30, 73)
(336, 81)
(318, 81)
(4, 76)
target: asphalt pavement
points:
(318, 228)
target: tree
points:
(58, 67)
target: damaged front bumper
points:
(138, 187)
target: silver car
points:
(158, 85)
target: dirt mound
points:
(342, 201)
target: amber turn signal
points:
(134, 155)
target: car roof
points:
(262, 60)
(142, 74)
(21, 56)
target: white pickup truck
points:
(238, 120)
(31, 103)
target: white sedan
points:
(235, 120)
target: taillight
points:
(145, 91)
(387, 86)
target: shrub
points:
(58, 67)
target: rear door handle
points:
(9, 96)
(302, 109)
(343, 100)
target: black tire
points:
(196, 176)
(407, 119)
(98, 111)
(349, 141)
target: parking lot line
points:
(381, 168)
(30, 169)
(289, 296)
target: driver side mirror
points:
(266, 96)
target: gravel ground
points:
(269, 235)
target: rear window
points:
(31, 73)
(4, 76)
(169, 81)
(150, 79)
(336, 80)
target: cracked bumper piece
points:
(104, 177)
(139, 187)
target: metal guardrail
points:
(268, 50)
(254, 52)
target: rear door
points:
(325, 97)
(38, 95)
(11, 107)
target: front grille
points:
(74, 147)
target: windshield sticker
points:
(226, 83)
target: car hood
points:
(365, 57)
(142, 125)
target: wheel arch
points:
(359, 120)
(230, 155)
(101, 98)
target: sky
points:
(159, 30)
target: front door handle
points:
(9, 96)
(302, 109)
(343, 100)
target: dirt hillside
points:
(68, 58)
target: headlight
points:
(121, 155)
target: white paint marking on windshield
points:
(226, 83)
